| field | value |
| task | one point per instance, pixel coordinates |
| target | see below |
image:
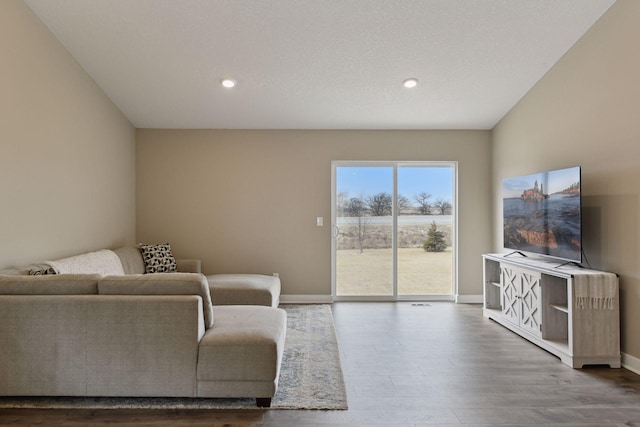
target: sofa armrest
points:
(189, 265)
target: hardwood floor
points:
(411, 365)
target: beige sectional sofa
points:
(133, 335)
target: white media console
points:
(569, 311)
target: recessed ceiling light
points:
(228, 83)
(409, 83)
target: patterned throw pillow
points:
(41, 269)
(158, 258)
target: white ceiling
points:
(317, 64)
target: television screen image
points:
(541, 214)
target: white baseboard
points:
(306, 299)
(631, 363)
(469, 299)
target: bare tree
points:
(361, 224)
(403, 204)
(444, 206)
(423, 203)
(380, 204)
(356, 209)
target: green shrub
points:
(435, 240)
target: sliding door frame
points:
(454, 240)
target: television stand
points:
(572, 312)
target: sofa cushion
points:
(14, 271)
(59, 284)
(189, 265)
(103, 262)
(158, 258)
(131, 259)
(161, 284)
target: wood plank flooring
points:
(407, 365)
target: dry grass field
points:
(370, 273)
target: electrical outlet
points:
(319, 221)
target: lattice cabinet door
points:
(530, 302)
(510, 292)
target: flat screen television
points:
(542, 214)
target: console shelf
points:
(571, 312)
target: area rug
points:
(310, 376)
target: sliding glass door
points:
(363, 230)
(393, 230)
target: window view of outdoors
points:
(365, 230)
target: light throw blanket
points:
(103, 262)
(598, 291)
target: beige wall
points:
(67, 155)
(247, 201)
(586, 111)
